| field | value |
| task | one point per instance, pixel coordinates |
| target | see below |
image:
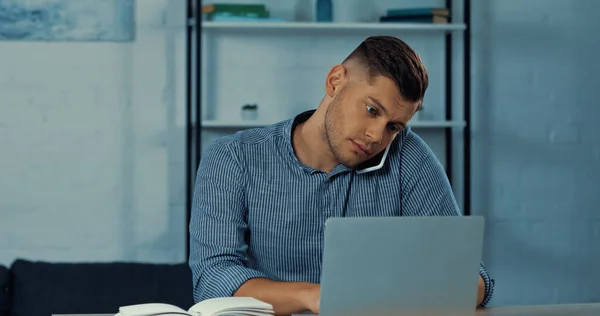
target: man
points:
(263, 195)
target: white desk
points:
(542, 310)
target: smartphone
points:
(376, 162)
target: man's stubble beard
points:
(330, 130)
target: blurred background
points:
(107, 105)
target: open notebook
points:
(224, 306)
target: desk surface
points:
(542, 310)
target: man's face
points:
(364, 118)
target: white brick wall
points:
(92, 162)
(535, 167)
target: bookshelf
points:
(210, 117)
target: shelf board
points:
(373, 26)
(437, 124)
(234, 124)
(215, 124)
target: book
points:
(243, 19)
(436, 19)
(232, 11)
(417, 15)
(418, 12)
(222, 306)
(217, 15)
(234, 7)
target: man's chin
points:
(353, 163)
(352, 159)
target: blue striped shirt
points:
(258, 212)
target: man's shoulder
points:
(241, 140)
(412, 147)
(411, 152)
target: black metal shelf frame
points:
(193, 141)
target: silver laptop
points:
(401, 265)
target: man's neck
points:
(310, 146)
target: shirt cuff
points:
(224, 281)
(489, 286)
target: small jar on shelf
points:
(249, 112)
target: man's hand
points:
(480, 290)
(311, 298)
(286, 297)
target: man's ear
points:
(336, 79)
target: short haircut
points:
(392, 58)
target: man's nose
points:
(375, 133)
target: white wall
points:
(536, 147)
(92, 162)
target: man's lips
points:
(361, 148)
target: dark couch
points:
(40, 288)
(4, 301)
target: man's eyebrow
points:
(376, 101)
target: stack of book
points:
(236, 12)
(417, 15)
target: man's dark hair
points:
(392, 58)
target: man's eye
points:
(371, 109)
(394, 128)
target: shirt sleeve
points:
(427, 192)
(489, 285)
(218, 225)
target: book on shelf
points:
(417, 15)
(418, 12)
(415, 19)
(224, 18)
(234, 7)
(222, 306)
(235, 12)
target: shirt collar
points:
(288, 132)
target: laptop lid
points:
(401, 265)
